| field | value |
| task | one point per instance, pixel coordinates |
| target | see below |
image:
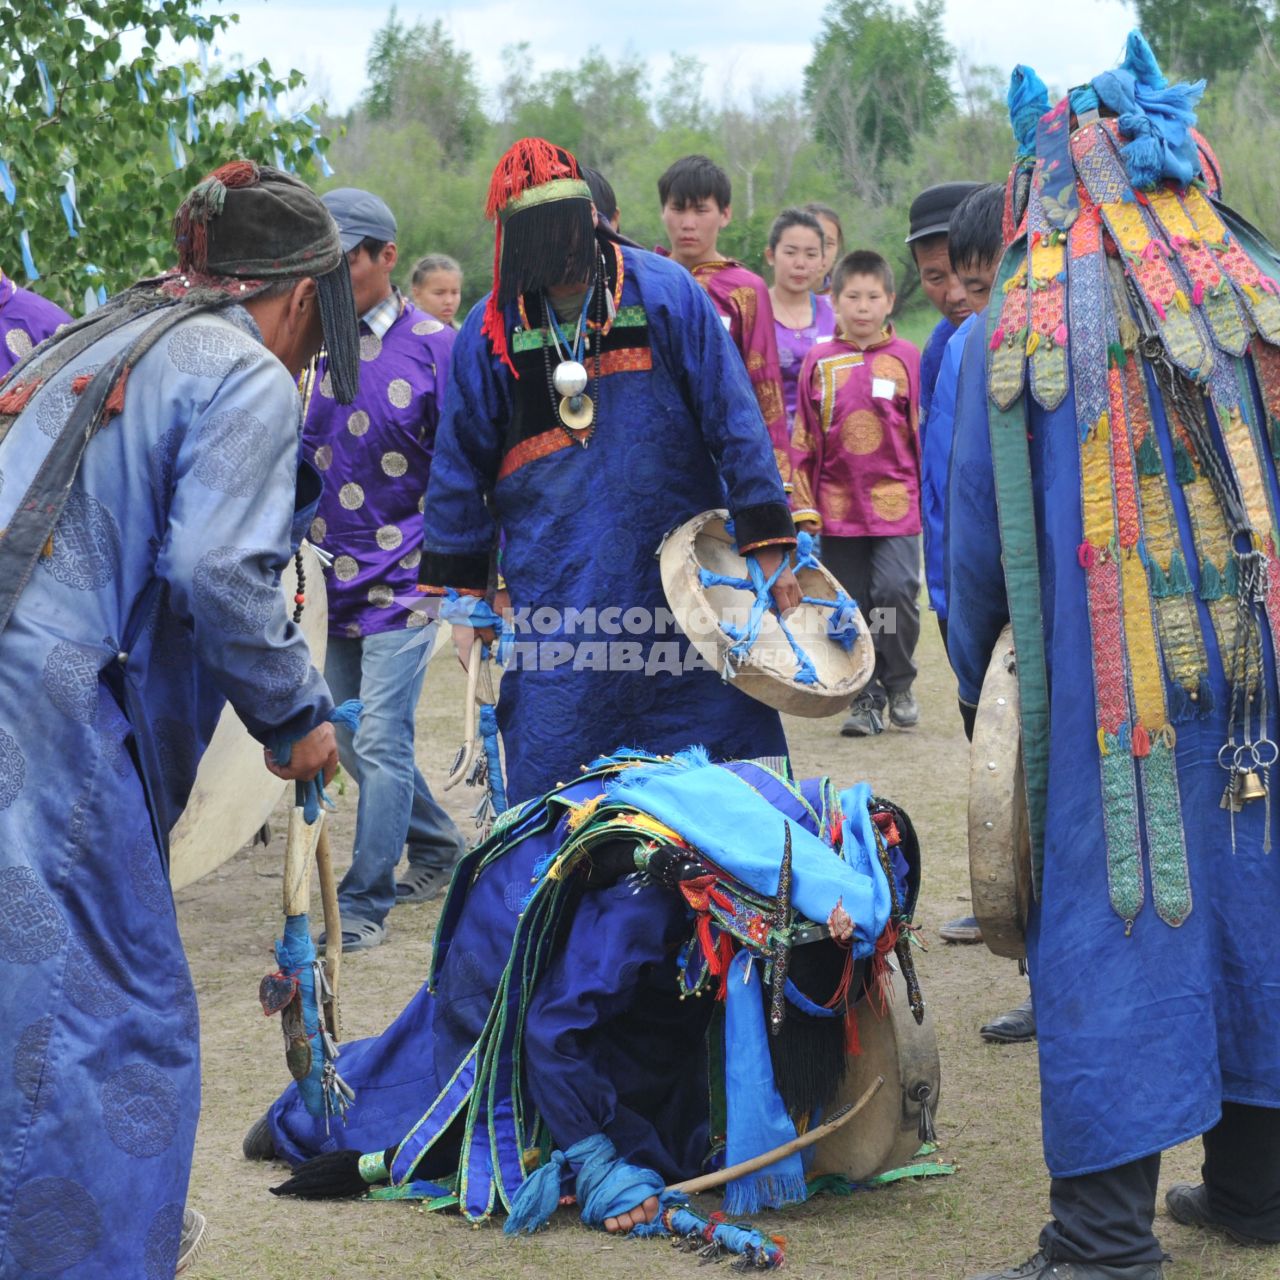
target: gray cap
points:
(360, 215)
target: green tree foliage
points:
(102, 137)
(1240, 119)
(598, 109)
(1204, 37)
(418, 74)
(879, 78)
(610, 114)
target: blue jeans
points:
(396, 805)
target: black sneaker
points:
(1189, 1205)
(862, 722)
(1040, 1268)
(904, 710)
(1018, 1026)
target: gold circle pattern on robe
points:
(890, 367)
(861, 432)
(890, 500)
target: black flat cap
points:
(931, 210)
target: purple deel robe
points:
(795, 344)
(375, 456)
(26, 320)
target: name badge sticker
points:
(883, 388)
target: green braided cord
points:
(1120, 817)
(1011, 463)
(1167, 850)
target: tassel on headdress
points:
(1156, 118)
(539, 240)
(207, 200)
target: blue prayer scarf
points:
(757, 1117)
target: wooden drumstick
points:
(842, 1117)
(467, 754)
(332, 926)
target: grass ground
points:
(989, 1212)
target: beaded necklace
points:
(575, 412)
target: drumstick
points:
(842, 1117)
(297, 865)
(332, 926)
(467, 754)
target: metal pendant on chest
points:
(576, 408)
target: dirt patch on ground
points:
(989, 1213)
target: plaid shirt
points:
(385, 314)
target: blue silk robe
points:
(169, 551)
(678, 431)
(1141, 1038)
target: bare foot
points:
(839, 922)
(641, 1213)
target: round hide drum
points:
(999, 835)
(886, 1134)
(767, 673)
(233, 793)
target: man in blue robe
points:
(558, 1013)
(1127, 440)
(581, 489)
(149, 457)
(974, 243)
(929, 221)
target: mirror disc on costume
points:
(579, 417)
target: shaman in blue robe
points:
(1142, 1034)
(156, 600)
(557, 1006)
(598, 662)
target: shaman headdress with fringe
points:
(1127, 284)
(545, 231)
(242, 230)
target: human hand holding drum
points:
(786, 591)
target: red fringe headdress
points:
(544, 246)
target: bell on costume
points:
(569, 379)
(1249, 786)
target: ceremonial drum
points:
(233, 793)
(767, 672)
(887, 1132)
(999, 835)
